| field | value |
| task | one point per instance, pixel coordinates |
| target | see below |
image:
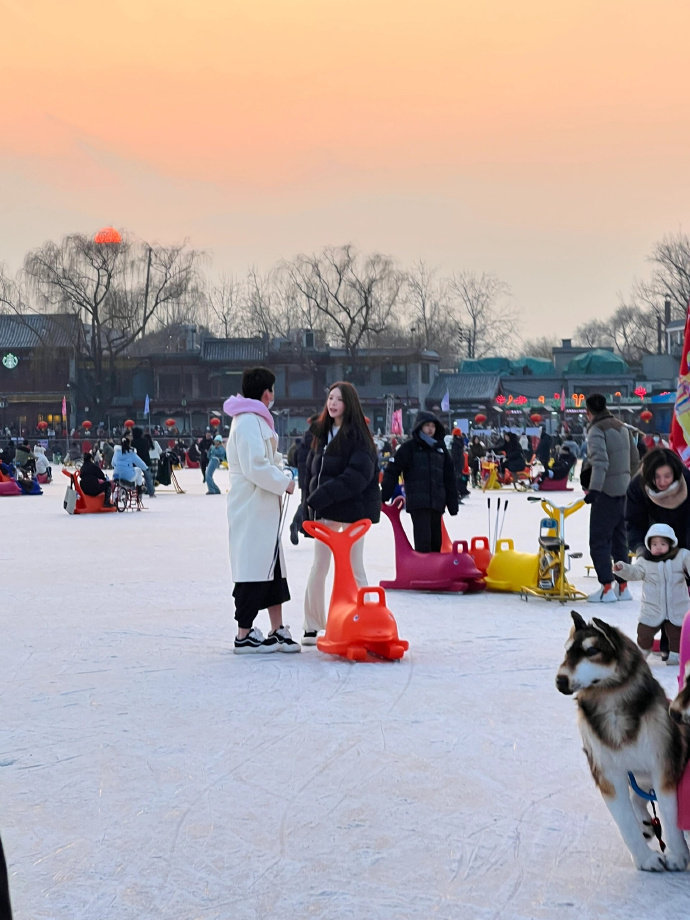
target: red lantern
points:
(107, 235)
(535, 417)
(86, 425)
(480, 418)
(646, 415)
(129, 423)
(42, 426)
(215, 422)
(170, 423)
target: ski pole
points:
(488, 509)
(503, 519)
(498, 511)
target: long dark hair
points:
(660, 456)
(353, 426)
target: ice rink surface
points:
(147, 772)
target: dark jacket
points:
(343, 481)
(90, 477)
(427, 471)
(301, 458)
(515, 458)
(142, 443)
(641, 512)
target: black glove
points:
(591, 497)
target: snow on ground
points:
(147, 772)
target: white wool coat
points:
(664, 590)
(257, 485)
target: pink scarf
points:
(240, 405)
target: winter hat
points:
(218, 438)
(661, 530)
(456, 432)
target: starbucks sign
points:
(10, 361)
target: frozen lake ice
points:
(146, 771)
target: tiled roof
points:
(464, 387)
(233, 350)
(59, 330)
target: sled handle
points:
(362, 593)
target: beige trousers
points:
(315, 596)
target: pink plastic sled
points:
(356, 628)
(684, 784)
(444, 571)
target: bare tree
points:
(116, 290)
(541, 347)
(11, 300)
(426, 299)
(482, 319)
(595, 334)
(671, 273)
(353, 295)
(225, 305)
(634, 333)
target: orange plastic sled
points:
(86, 504)
(356, 628)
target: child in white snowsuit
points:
(663, 569)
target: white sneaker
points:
(623, 595)
(309, 637)
(602, 597)
(285, 641)
(673, 659)
(254, 642)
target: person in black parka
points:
(93, 480)
(514, 457)
(343, 488)
(429, 477)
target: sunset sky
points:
(546, 143)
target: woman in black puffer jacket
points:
(427, 471)
(343, 488)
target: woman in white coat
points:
(257, 489)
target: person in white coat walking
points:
(258, 487)
(663, 568)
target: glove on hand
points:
(591, 497)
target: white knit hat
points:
(661, 530)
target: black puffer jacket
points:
(343, 481)
(515, 458)
(427, 471)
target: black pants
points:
(607, 537)
(426, 526)
(253, 596)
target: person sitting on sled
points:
(559, 469)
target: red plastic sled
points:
(356, 628)
(449, 571)
(86, 504)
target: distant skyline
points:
(544, 143)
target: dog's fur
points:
(624, 721)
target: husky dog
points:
(624, 721)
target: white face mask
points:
(270, 404)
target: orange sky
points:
(544, 142)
